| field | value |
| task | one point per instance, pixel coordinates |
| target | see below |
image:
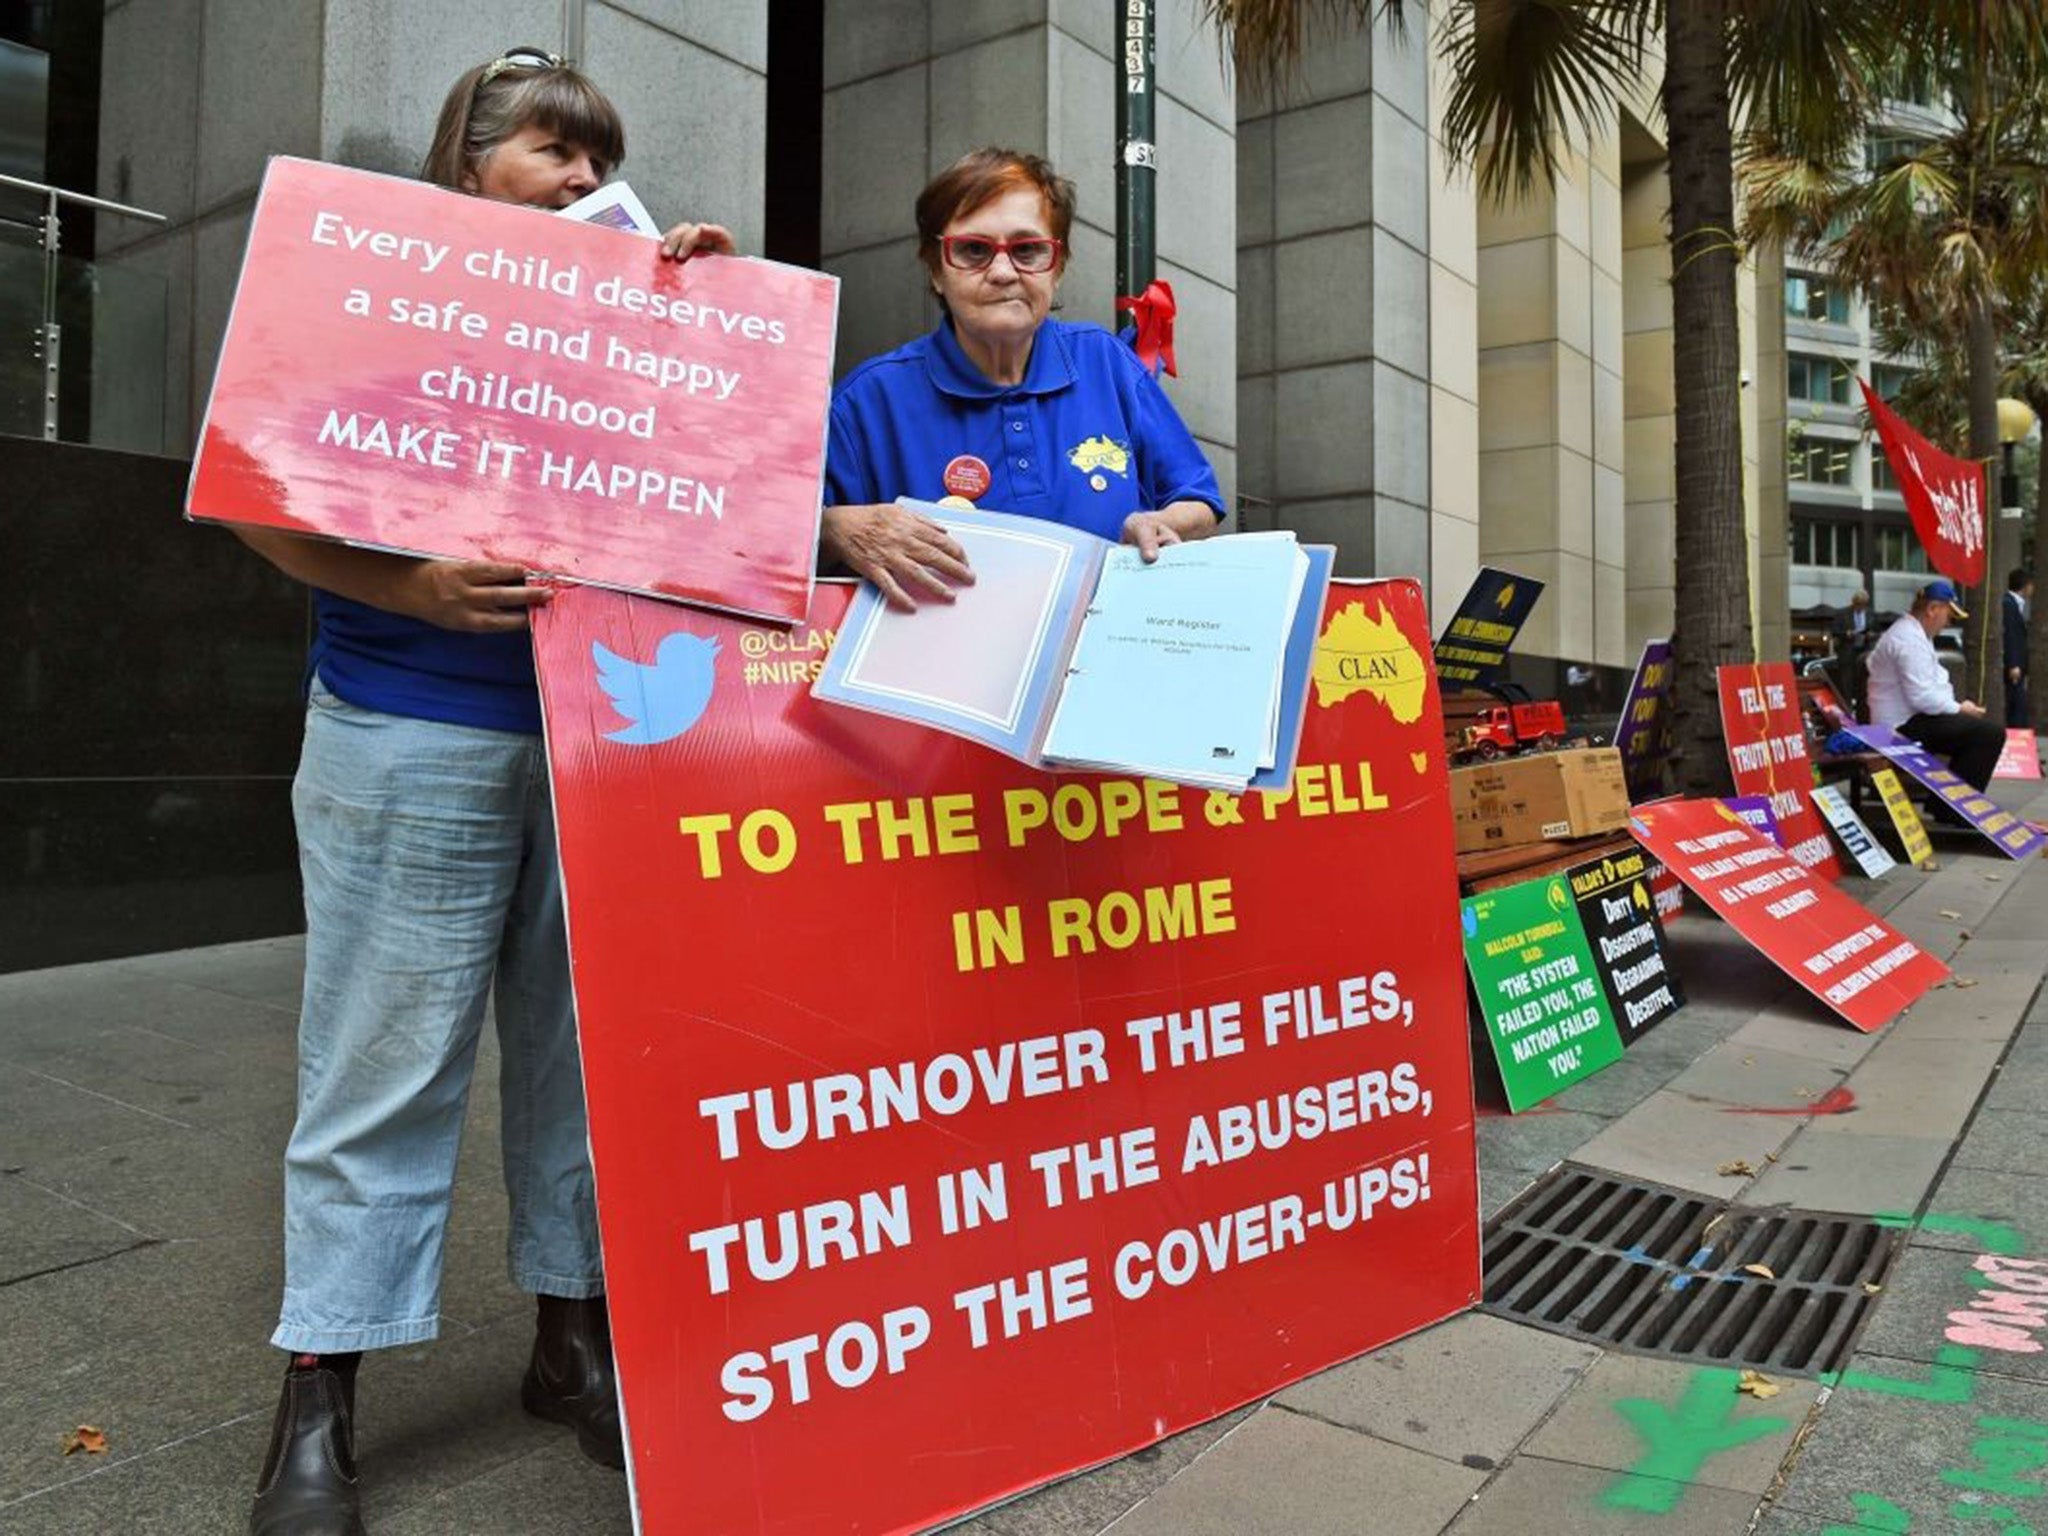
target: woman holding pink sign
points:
(427, 847)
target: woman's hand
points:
(905, 554)
(1151, 532)
(687, 239)
(473, 596)
(1182, 522)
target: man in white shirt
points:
(1911, 693)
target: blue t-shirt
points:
(401, 666)
(1086, 439)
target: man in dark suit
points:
(2019, 603)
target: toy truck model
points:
(1511, 727)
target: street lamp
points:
(2015, 421)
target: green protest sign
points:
(1547, 1016)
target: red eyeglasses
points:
(977, 253)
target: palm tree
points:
(1531, 74)
(1945, 238)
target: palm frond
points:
(1266, 40)
(1810, 73)
(1529, 74)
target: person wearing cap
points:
(432, 894)
(1910, 691)
(1002, 406)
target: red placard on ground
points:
(1856, 963)
(1766, 735)
(411, 369)
(2021, 758)
(958, 1126)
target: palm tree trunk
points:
(1983, 632)
(1711, 626)
(2037, 631)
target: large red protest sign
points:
(957, 1126)
(1857, 964)
(1944, 494)
(411, 369)
(1766, 735)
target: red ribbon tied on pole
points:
(1944, 494)
(1153, 311)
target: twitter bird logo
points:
(663, 698)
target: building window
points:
(1816, 378)
(1898, 550)
(1888, 379)
(1882, 151)
(1819, 461)
(1811, 296)
(1881, 476)
(1823, 541)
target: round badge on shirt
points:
(967, 476)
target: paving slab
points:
(263, 970)
(1919, 1087)
(1085, 1504)
(178, 1183)
(1791, 1522)
(152, 1344)
(201, 1483)
(1467, 1390)
(2015, 921)
(1281, 1472)
(1822, 1169)
(1800, 1026)
(1498, 1188)
(1534, 1139)
(2010, 1139)
(1599, 1422)
(1972, 1005)
(1535, 1495)
(1672, 1139)
(42, 1118)
(2009, 1206)
(40, 1230)
(1750, 1077)
(1877, 1451)
(190, 1085)
(2021, 1082)
(1620, 1087)
(2026, 951)
(1917, 1315)
(57, 1010)
(555, 1492)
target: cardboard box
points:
(1538, 796)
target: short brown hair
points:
(978, 178)
(480, 114)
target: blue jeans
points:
(428, 853)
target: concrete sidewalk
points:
(144, 1106)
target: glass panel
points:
(123, 349)
(21, 357)
(110, 355)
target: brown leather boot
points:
(308, 1486)
(571, 1380)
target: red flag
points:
(1153, 312)
(1944, 494)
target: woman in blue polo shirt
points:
(427, 846)
(1002, 406)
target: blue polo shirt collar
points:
(1049, 371)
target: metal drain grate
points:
(1660, 1271)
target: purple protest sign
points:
(2013, 837)
(1756, 810)
(1644, 735)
